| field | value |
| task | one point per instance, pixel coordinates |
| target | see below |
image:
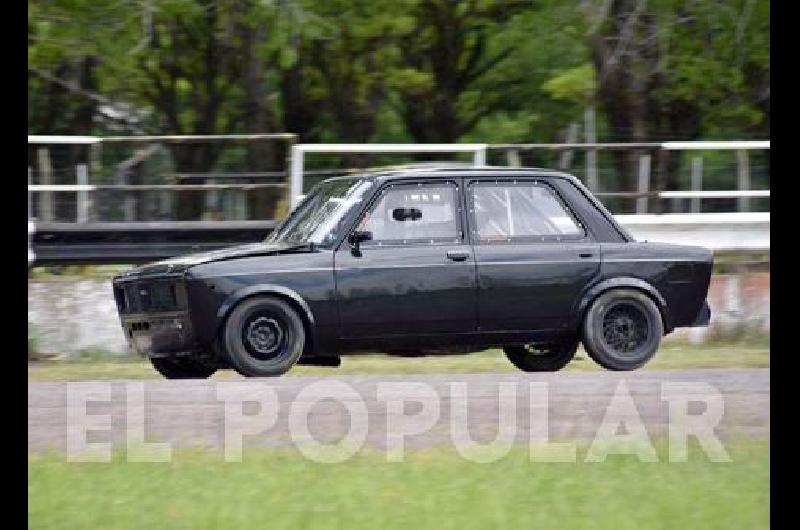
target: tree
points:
(444, 60)
(676, 70)
(408, 70)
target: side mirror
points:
(405, 214)
(356, 238)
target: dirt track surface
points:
(190, 413)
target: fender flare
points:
(268, 289)
(622, 282)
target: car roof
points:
(451, 169)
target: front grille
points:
(147, 296)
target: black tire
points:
(263, 337)
(182, 368)
(542, 358)
(622, 329)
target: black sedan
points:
(416, 261)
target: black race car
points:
(416, 261)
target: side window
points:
(408, 213)
(506, 211)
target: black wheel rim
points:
(626, 328)
(265, 336)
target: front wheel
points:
(622, 329)
(263, 337)
(182, 368)
(542, 357)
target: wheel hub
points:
(264, 335)
(624, 328)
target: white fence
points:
(298, 156)
(742, 230)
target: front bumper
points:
(154, 314)
(160, 334)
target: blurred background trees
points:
(400, 70)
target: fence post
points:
(82, 179)
(644, 184)
(96, 159)
(566, 155)
(30, 195)
(296, 176)
(697, 182)
(591, 153)
(479, 158)
(512, 157)
(241, 205)
(211, 202)
(45, 178)
(31, 253)
(743, 166)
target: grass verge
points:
(431, 489)
(672, 356)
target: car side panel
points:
(528, 285)
(532, 286)
(405, 290)
(309, 276)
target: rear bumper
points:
(703, 317)
(160, 334)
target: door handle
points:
(457, 255)
(585, 255)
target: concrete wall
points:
(736, 300)
(70, 316)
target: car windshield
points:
(319, 217)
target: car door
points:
(534, 257)
(416, 276)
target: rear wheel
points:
(542, 357)
(263, 336)
(182, 368)
(622, 329)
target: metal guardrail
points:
(109, 243)
(152, 187)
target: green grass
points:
(75, 272)
(432, 489)
(673, 355)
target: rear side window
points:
(520, 211)
(414, 213)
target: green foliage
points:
(576, 84)
(408, 70)
(719, 58)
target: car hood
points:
(180, 264)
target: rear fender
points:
(621, 283)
